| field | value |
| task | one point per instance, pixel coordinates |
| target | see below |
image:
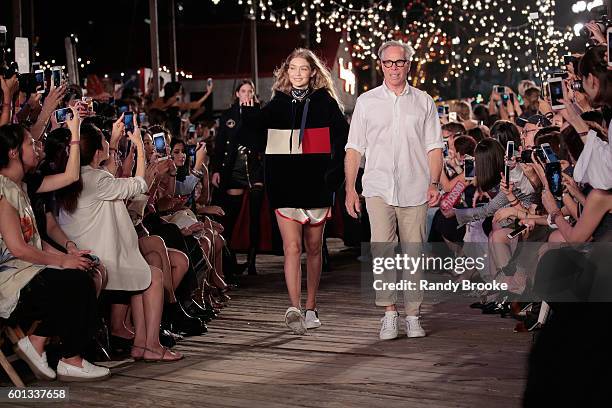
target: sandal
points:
(161, 357)
(139, 358)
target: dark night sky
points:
(116, 37)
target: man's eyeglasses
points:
(398, 63)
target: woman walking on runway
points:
(304, 154)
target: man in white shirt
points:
(397, 128)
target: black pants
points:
(64, 300)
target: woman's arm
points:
(9, 87)
(10, 229)
(49, 106)
(73, 167)
(597, 205)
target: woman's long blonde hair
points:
(321, 79)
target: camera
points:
(577, 86)
(602, 24)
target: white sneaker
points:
(312, 319)
(295, 321)
(388, 330)
(89, 372)
(413, 327)
(37, 363)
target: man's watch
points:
(436, 184)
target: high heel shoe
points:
(181, 322)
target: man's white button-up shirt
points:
(395, 133)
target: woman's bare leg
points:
(291, 233)
(313, 243)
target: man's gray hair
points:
(408, 50)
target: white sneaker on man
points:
(89, 372)
(413, 327)
(295, 321)
(37, 363)
(388, 329)
(311, 318)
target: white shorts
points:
(312, 216)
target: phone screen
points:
(160, 143)
(556, 93)
(40, 81)
(56, 75)
(61, 114)
(550, 154)
(553, 175)
(500, 89)
(452, 116)
(191, 150)
(468, 168)
(509, 149)
(128, 121)
(445, 151)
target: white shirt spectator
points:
(594, 166)
(101, 223)
(395, 133)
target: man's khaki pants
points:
(385, 221)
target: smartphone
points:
(35, 66)
(209, 81)
(505, 98)
(142, 118)
(89, 101)
(40, 81)
(92, 258)
(507, 175)
(56, 76)
(500, 89)
(468, 168)
(609, 38)
(569, 59)
(128, 121)
(159, 139)
(540, 154)
(553, 175)
(521, 122)
(440, 111)
(191, 130)
(509, 149)
(62, 114)
(452, 116)
(191, 152)
(445, 151)
(526, 156)
(555, 90)
(517, 231)
(548, 151)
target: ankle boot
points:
(251, 261)
(183, 322)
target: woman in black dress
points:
(237, 168)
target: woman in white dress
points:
(94, 215)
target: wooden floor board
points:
(248, 359)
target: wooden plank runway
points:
(248, 359)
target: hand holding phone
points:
(556, 91)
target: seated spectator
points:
(94, 207)
(37, 284)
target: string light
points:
(441, 31)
